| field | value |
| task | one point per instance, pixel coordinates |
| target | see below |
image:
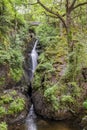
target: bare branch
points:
(52, 12)
(81, 4)
(72, 5)
(67, 5)
(53, 16)
(33, 3)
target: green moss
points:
(75, 89)
(16, 106)
(13, 93)
(50, 95)
(11, 103)
(37, 81)
(85, 104)
(2, 80)
(3, 126)
(7, 98)
(2, 111)
(67, 99)
(16, 73)
(1, 102)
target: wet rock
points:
(14, 106)
(42, 123)
(84, 123)
(43, 108)
(4, 78)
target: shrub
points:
(50, 95)
(6, 98)
(16, 74)
(2, 111)
(67, 99)
(3, 126)
(13, 93)
(85, 104)
(16, 106)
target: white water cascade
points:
(30, 121)
(34, 57)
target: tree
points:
(69, 8)
(65, 17)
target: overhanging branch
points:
(81, 4)
(52, 12)
(53, 16)
(33, 3)
(72, 5)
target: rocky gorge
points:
(53, 97)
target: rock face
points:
(28, 62)
(14, 103)
(43, 108)
(14, 106)
(55, 96)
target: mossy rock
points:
(13, 106)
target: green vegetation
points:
(12, 36)
(2, 80)
(6, 98)
(67, 99)
(49, 94)
(11, 103)
(16, 106)
(85, 104)
(61, 74)
(3, 126)
(2, 111)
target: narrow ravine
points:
(30, 120)
(34, 56)
(33, 121)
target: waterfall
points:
(34, 57)
(30, 121)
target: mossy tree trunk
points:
(67, 24)
(71, 63)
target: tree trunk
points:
(71, 63)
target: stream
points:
(34, 122)
(46, 125)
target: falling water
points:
(33, 122)
(30, 121)
(34, 57)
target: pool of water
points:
(34, 122)
(40, 124)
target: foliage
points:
(85, 104)
(62, 33)
(46, 66)
(16, 74)
(75, 89)
(13, 93)
(11, 26)
(37, 81)
(14, 58)
(16, 106)
(67, 99)
(50, 95)
(2, 111)
(2, 80)
(6, 98)
(11, 103)
(50, 34)
(3, 126)
(79, 51)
